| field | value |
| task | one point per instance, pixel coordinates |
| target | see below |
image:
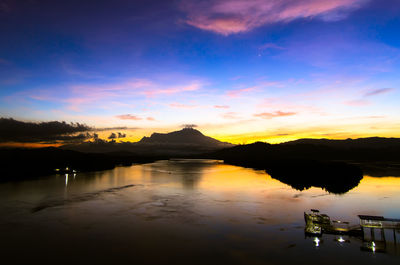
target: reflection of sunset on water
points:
(167, 203)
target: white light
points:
(66, 179)
(341, 240)
(316, 240)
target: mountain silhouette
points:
(362, 150)
(185, 136)
(187, 141)
(335, 165)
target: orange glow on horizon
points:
(233, 134)
(28, 145)
(234, 139)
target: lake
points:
(186, 212)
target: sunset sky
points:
(241, 70)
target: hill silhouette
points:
(370, 142)
(335, 165)
(185, 136)
(187, 141)
(22, 163)
(375, 150)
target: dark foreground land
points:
(30, 163)
(335, 165)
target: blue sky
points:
(241, 70)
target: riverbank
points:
(19, 164)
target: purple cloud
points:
(128, 117)
(378, 92)
(236, 16)
(270, 115)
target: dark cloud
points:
(117, 135)
(68, 138)
(50, 132)
(113, 128)
(378, 92)
(189, 126)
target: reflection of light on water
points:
(316, 241)
(74, 175)
(227, 193)
(341, 240)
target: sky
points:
(241, 70)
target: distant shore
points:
(18, 164)
(336, 166)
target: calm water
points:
(186, 211)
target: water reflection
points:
(67, 176)
(188, 212)
(317, 225)
(188, 172)
(389, 247)
(334, 178)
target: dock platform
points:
(379, 222)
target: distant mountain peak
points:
(187, 141)
(182, 132)
(187, 136)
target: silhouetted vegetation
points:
(335, 165)
(28, 163)
(300, 166)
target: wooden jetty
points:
(318, 224)
(379, 222)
